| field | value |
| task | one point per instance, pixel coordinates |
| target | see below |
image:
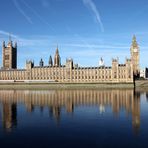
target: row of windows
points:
(21, 78)
(73, 77)
(73, 72)
(62, 72)
(89, 77)
(7, 74)
(12, 78)
(122, 77)
(95, 72)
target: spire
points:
(101, 59)
(15, 45)
(57, 50)
(3, 44)
(50, 61)
(9, 37)
(10, 41)
(57, 60)
(134, 37)
(134, 42)
(101, 62)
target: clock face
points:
(135, 50)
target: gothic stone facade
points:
(70, 73)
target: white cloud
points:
(25, 42)
(94, 9)
(96, 46)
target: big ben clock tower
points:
(135, 57)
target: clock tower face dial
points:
(135, 50)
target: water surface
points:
(73, 118)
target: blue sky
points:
(84, 30)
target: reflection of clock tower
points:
(135, 56)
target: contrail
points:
(22, 12)
(37, 15)
(7, 34)
(94, 9)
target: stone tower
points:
(57, 59)
(9, 55)
(135, 56)
(69, 63)
(115, 69)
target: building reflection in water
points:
(9, 115)
(69, 99)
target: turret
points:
(101, 62)
(50, 61)
(69, 63)
(41, 63)
(29, 64)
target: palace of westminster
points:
(70, 72)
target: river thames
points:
(74, 118)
